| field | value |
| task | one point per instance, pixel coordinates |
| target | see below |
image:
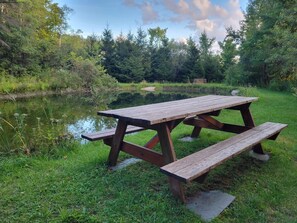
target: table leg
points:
(249, 122)
(155, 140)
(196, 131)
(116, 143)
(169, 156)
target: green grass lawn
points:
(79, 188)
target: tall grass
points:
(18, 138)
(10, 84)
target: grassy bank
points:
(31, 84)
(181, 87)
(78, 188)
(10, 84)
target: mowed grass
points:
(79, 188)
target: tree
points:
(128, 60)
(161, 62)
(228, 54)
(29, 36)
(268, 51)
(108, 50)
(205, 44)
(192, 67)
(93, 47)
(157, 35)
(282, 61)
(160, 55)
(178, 56)
(209, 63)
(142, 46)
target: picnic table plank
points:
(199, 163)
(167, 111)
(109, 133)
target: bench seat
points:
(195, 165)
(108, 133)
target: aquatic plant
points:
(36, 140)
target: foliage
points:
(63, 79)
(153, 57)
(229, 53)
(129, 59)
(10, 84)
(192, 66)
(29, 29)
(268, 51)
(35, 40)
(94, 77)
(41, 141)
(234, 75)
(108, 51)
(210, 64)
(33, 47)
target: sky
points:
(182, 18)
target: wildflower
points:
(16, 114)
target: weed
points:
(39, 140)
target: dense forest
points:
(36, 41)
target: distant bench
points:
(197, 164)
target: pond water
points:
(76, 112)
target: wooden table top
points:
(167, 111)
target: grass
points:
(79, 188)
(180, 87)
(10, 84)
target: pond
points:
(76, 113)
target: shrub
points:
(279, 85)
(235, 76)
(62, 79)
(94, 76)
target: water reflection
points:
(77, 112)
(90, 124)
(126, 99)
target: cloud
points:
(221, 12)
(205, 25)
(198, 15)
(129, 3)
(148, 13)
(203, 6)
(180, 8)
(234, 3)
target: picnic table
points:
(199, 112)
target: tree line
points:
(35, 40)
(151, 56)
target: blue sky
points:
(183, 18)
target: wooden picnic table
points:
(164, 117)
(199, 112)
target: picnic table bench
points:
(199, 112)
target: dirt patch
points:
(148, 89)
